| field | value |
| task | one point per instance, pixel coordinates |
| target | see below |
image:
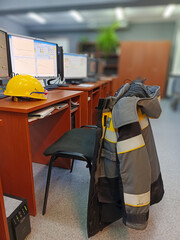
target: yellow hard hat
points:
(25, 86)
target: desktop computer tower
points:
(17, 217)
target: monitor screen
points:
(33, 57)
(100, 67)
(75, 66)
(4, 65)
(92, 67)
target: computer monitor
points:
(4, 51)
(100, 68)
(75, 67)
(33, 56)
(92, 67)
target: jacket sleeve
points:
(135, 173)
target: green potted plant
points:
(107, 40)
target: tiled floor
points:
(65, 218)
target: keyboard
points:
(55, 86)
(3, 96)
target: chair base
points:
(52, 159)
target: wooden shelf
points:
(111, 65)
(74, 110)
(87, 47)
(111, 60)
(96, 91)
(52, 113)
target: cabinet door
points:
(145, 60)
(4, 233)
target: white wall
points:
(12, 27)
(176, 60)
(61, 41)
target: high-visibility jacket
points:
(126, 177)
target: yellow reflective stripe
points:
(130, 144)
(111, 128)
(144, 123)
(103, 117)
(140, 114)
(137, 205)
(137, 200)
(110, 136)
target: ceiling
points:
(56, 15)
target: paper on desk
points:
(41, 113)
(60, 105)
(74, 103)
(85, 85)
(31, 119)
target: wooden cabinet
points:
(87, 48)
(148, 60)
(110, 64)
(4, 232)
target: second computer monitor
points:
(75, 66)
(34, 57)
(92, 67)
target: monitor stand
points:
(42, 82)
(56, 83)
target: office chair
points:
(76, 144)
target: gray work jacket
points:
(126, 177)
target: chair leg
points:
(72, 165)
(90, 167)
(48, 183)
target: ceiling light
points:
(169, 10)
(119, 13)
(75, 14)
(36, 17)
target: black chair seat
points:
(78, 141)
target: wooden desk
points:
(90, 98)
(22, 142)
(4, 232)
